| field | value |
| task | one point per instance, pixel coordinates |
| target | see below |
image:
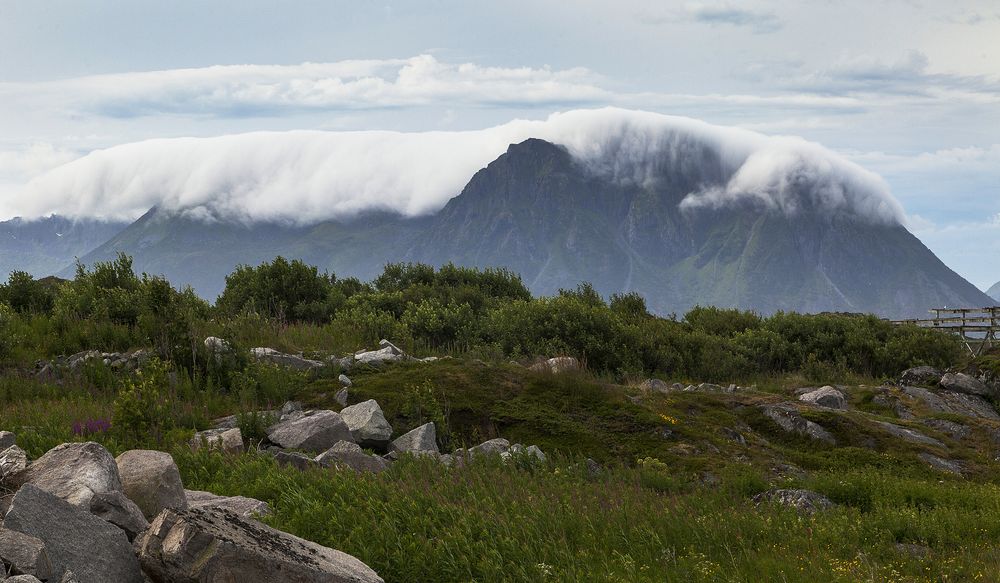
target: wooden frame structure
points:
(979, 328)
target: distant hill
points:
(539, 212)
(994, 292)
(44, 246)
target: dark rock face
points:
(210, 546)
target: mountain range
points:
(542, 213)
(994, 292)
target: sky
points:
(906, 89)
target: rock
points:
(734, 435)
(710, 388)
(350, 455)
(963, 383)
(7, 439)
(941, 464)
(952, 429)
(23, 554)
(805, 501)
(73, 472)
(532, 452)
(217, 546)
(239, 505)
(281, 359)
(557, 365)
(655, 386)
(907, 434)
(368, 424)
(920, 375)
(115, 508)
(342, 396)
(315, 431)
(825, 397)
(387, 352)
(13, 460)
(492, 447)
(344, 381)
(789, 420)
(419, 441)
(151, 480)
(225, 440)
(75, 539)
(886, 399)
(24, 579)
(218, 347)
(291, 407)
(969, 405)
(295, 459)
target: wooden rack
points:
(979, 328)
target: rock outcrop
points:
(557, 365)
(314, 431)
(281, 359)
(788, 419)
(828, 397)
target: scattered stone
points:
(225, 440)
(805, 501)
(952, 429)
(789, 420)
(295, 459)
(239, 505)
(419, 441)
(963, 383)
(13, 460)
(73, 472)
(350, 455)
(733, 435)
(23, 554)
(151, 480)
(387, 352)
(557, 365)
(367, 424)
(117, 509)
(281, 359)
(492, 447)
(709, 388)
(7, 439)
(655, 386)
(314, 431)
(825, 397)
(342, 396)
(345, 381)
(920, 375)
(215, 546)
(908, 434)
(941, 464)
(75, 539)
(519, 451)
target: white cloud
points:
(310, 176)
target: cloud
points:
(311, 176)
(255, 90)
(715, 14)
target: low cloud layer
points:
(309, 176)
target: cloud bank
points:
(305, 177)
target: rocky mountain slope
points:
(994, 292)
(45, 246)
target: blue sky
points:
(908, 89)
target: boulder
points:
(73, 472)
(281, 359)
(345, 454)
(419, 441)
(75, 539)
(23, 579)
(342, 396)
(954, 403)
(805, 501)
(789, 420)
(492, 447)
(952, 467)
(907, 434)
(963, 383)
(378, 357)
(825, 397)
(920, 375)
(115, 508)
(239, 505)
(295, 459)
(151, 480)
(532, 452)
(225, 440)
(315, 431)
(952, 429)
(7, 439)
(557, 365)
(13, 460)
(368, 424)
(655, 386)
(215, 546)
(344, 380)
(23, 554)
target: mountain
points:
(44, 246)
(539, 211)
(994, 292)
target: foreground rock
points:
(368, 425)
(281, 359)
(117, 509)
(73, 472)
(419, 441)
(13, 460)
(7, 439)
(557, 365)
(151, 480)
(214, 546)
(345, 454)
(963, 383)
(828, 397)
(239, 505)
(23, 554)
(805, 501)
(94, 550)
(223, 439)
(315, 431)
(789, 420)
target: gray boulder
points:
(295, 459)
(825, 397)
(73, 472)
(954, 403)
(532, 452)
(23, 554)
(963, 383)
(655, 386)
(225, 440)
(378, 357)
(419, 441)
(239, 505)
(920, 375)
(368, 424)
(805, 501)
(216, 546)
(789, 420)
(7, 439)
(117, 509)
(281, 359)
(557, 365)
(952, 429)
(13, 460)
(151, 480)
(345, 454)
(907, 434)
(344, 381)
(315, 431)
(23, 579)
(494, 446)
(342, 396)
(75, 539)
